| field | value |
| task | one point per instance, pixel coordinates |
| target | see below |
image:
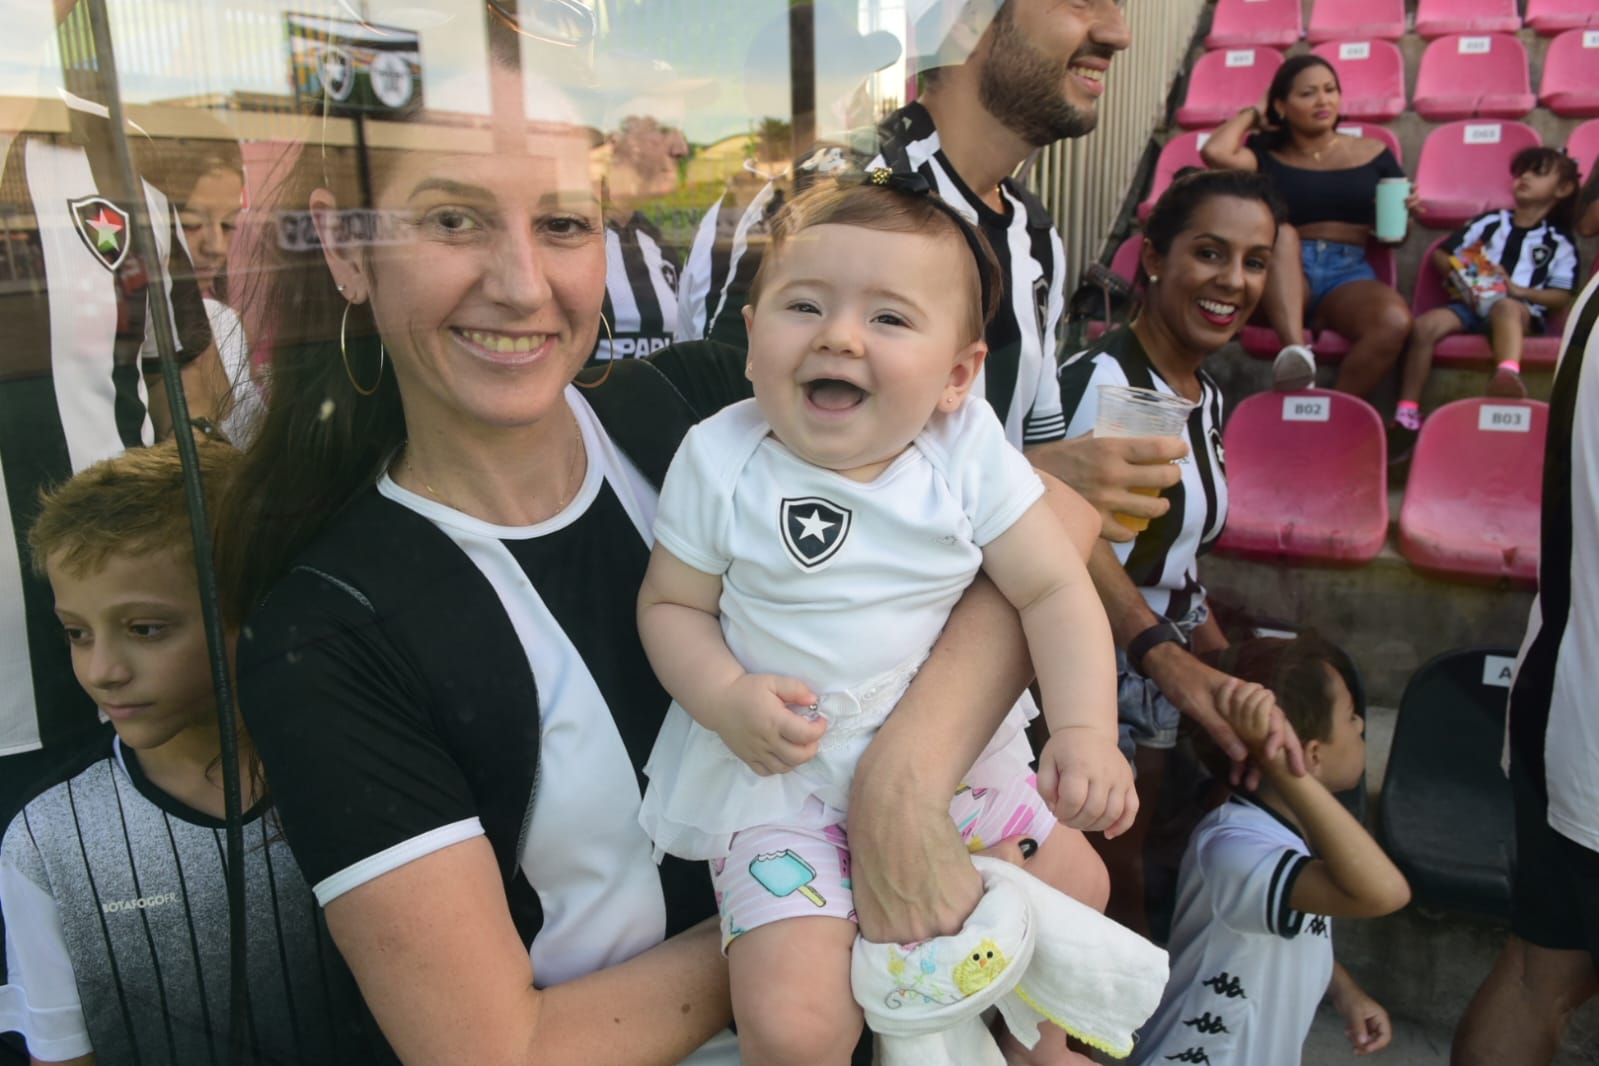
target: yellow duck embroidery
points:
(979, 968)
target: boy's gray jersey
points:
(107, 873)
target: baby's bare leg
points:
(791, 993)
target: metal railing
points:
(1084, 182)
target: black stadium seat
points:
(1446, 817)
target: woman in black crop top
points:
(1328, 180)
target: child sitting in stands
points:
(809, 547)
(113, 876)
(1533, 244)
(1251, 944)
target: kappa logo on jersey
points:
(1208, 1024)
(813, 529)
(104, 228)
(1193, 1054)
(1318, 926)
(1224, 984)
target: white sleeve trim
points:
(374, 866)
(42, 1001)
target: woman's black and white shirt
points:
(1163, 560)
(422, 677)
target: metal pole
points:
(144, 246)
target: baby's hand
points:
(1086, 780)
(755, 721)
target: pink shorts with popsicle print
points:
(777, 872)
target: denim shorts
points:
(1329, 265)
(1472, 322)
(1145, 717)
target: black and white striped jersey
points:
(640, 290)
(1163, 559)
(498, 689)
(71, 387)
(116, 906)
(1024, 337)
(1536, 257)
(1554, 722)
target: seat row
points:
(1463, 171)
(1465, 350)
(1307, 478)
(1461, 76)
(1279, 23)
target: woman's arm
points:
(1225, 150)
(1189, 684)
(912, 876)
(449, 981)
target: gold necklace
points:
(573, 482)
(1316, 153)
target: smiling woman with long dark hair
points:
(1206, 255)
(434, 547)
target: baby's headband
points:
(911, 183)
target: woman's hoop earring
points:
(609, 363)
(344, 354)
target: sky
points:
(712, 66)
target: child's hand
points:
(1086, 781)
(1249, 708)
(756, 722)
(1365, 1022)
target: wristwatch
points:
(1164, 631)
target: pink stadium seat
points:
(1473, 76)
(1179, 152)
(1372, 74)
(1224, 81)
(1356, 20)
(1583, 146)
(1124, 264)
(1465, 169)
(1469, 349)
(1476, 481)
(1434, 18)
(1331, 346)
(1241, 23)
(1307, 478)
(1571, 74)
(1261, 341)
(1550, 17)
(1378, 133)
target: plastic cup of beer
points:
(1125, 411)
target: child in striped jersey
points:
(112, 877)
(1533, 244)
